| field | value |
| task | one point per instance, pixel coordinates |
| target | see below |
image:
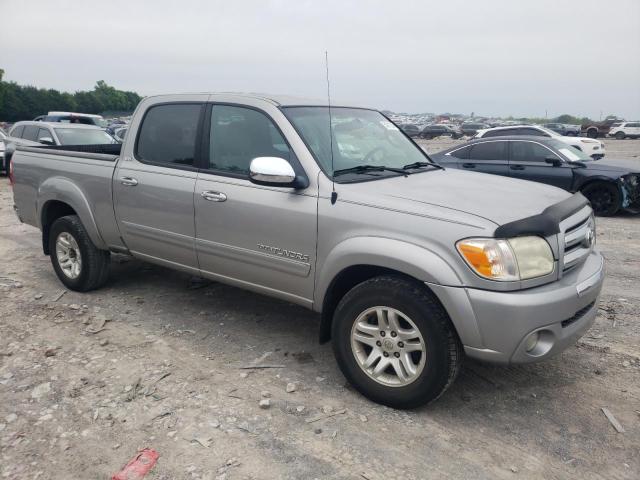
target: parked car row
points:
(430, 131)
(593, 148)
(564, 129)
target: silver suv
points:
(411, 266)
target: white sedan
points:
(593, 148)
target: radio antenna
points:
(334, 194)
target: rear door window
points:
(489, 151)
(30, 133)
(168, 134)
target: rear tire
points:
(604, 198)
(425, 342)
(79, 264)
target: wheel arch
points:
(58, 197)
(359, 259)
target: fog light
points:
(531, 341)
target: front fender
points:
(64, 190)
(410, 259)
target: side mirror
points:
(47, 141)
(556, 162)
(274, 172)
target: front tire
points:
(604, 198)
(395, 343)
(79, 264)
(620, 135)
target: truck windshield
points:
(83, 136)
(361, 139)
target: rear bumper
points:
(495, 326)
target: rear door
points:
(258, 237)
(488, 157)
(154, 184)
(528, 162)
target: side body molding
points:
(416, 261)
(63, 190)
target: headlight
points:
(589, 141)
(507, 260)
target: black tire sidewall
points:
(615, 206)
(435, 375)
(66, 224)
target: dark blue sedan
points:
(608, 184)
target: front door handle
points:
(468, 165)
(129, 181)
(516, 167)
(213, 196)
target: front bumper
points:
(494, 326)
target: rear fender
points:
(65, 191)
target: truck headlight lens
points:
(507, 260)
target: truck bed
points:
(108, 152)
(78, 175)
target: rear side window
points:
(499, 133)
(532, 132)
(238, 135)
(168, 134)
(462, 153)
(30, 133)
(489, 151)
(17, 131)
(529, 152)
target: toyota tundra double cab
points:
(410, 265)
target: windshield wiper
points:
(420, 165)
(368, 168)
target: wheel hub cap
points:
(388, 346)
(68, 255)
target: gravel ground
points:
(154, 360)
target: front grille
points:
(577, 238)
(578, 315)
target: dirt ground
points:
(154, 360)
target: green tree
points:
(24, 102)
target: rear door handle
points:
(516, 167)
(468, 165)
(128, 181)
(213, 196)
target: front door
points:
(528, 162)
(257, 237)
(153, 190)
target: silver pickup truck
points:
(411, 266)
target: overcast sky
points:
(490, 57)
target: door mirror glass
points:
(46, 141)
(553, 161)
(273, 171)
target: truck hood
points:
(453, 192)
